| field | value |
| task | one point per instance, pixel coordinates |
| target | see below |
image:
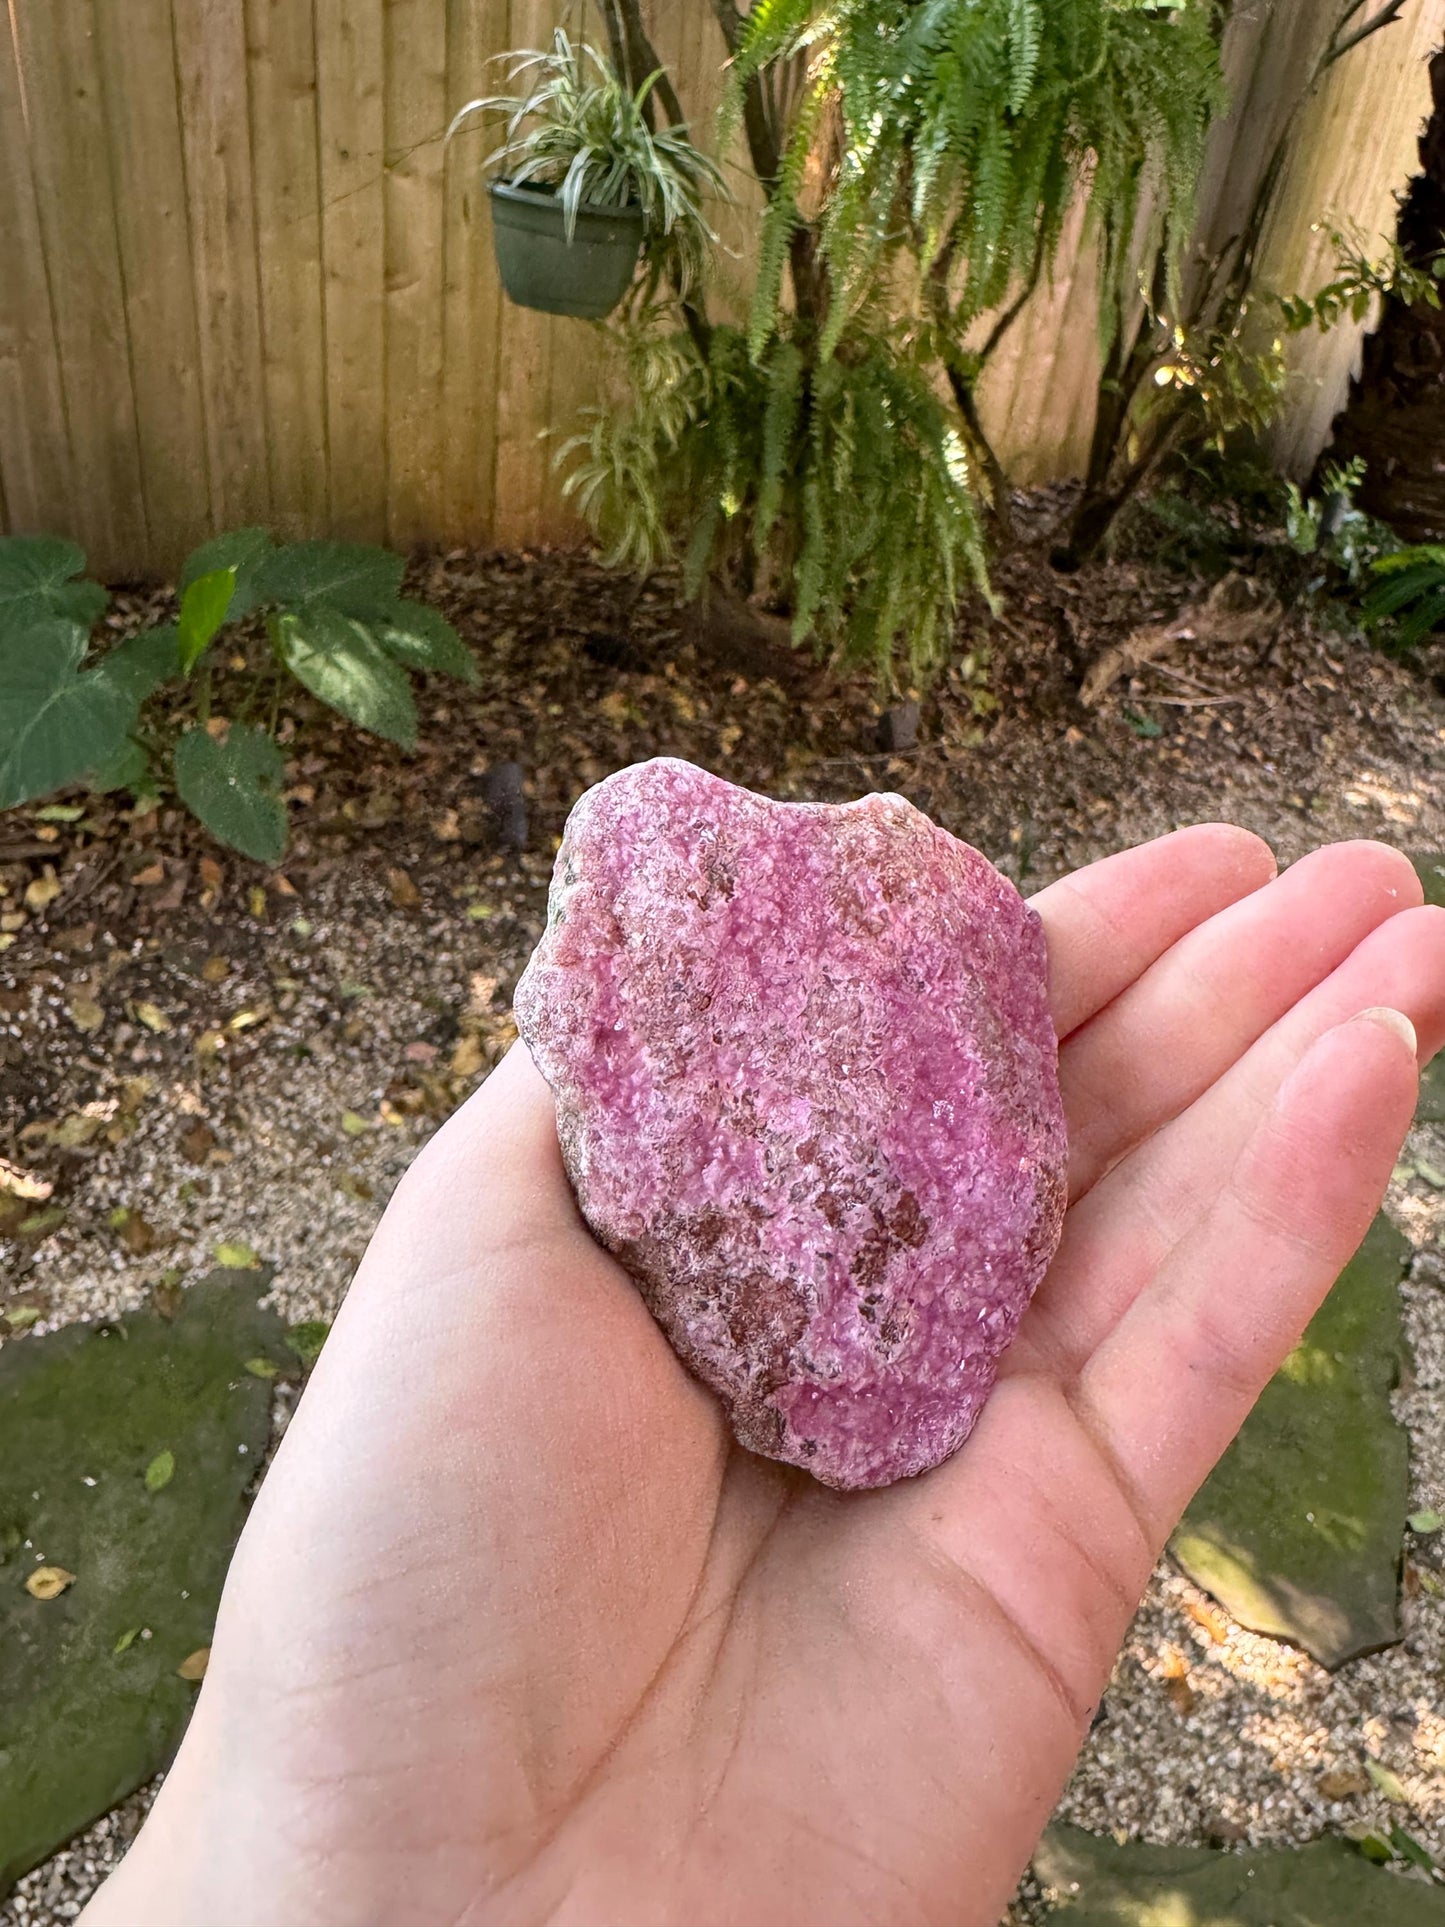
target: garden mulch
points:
(196, 1053)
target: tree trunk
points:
(1395, 415)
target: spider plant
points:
(575, 127)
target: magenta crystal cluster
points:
(807, 1091)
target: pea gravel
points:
(368, 991)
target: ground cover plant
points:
(334, 620)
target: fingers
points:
(1116, 1238)
(1185, 1020)
(1107, 923)
(1172, 1384)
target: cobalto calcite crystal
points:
(807, 1092)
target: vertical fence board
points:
(135, 43)
(211, 60)
(314, 331)
(70, 155)
(416, 112)
(34, 440)
(349, 65)
(524, 370)
(281, 67)
(473, 297)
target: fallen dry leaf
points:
(80, 1128)
(194, 1665)
(23, 1184)
(154, 1018)
(197, 1143)
(85, 1013)
(152, 874)
(404, 893)
(256, 902)
(48, 1582)
(468, 1057)
(1342, 1783)
(212, 875)
(1182, 1696)
(215, 970)
(44, 890)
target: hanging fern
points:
(983, 120)
(853, 468)
(918, 160)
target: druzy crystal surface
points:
(807, 1092)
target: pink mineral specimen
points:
(807, 1091)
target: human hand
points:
(515, 1635)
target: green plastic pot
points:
(540, 268)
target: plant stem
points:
(635, 57)
(203, 695)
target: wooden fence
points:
(242, 281)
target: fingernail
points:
(1394, 1020)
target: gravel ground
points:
(193, 1052)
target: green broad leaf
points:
(234, 787)
(245, 551)
(204, 607)
(1298, 1530)
(1327, 1884)
(128, 769)
(1426, 1522)
(352, 577)
(137, 667)
(90, 1703)
(36, 584)
(422, 638)
(56, 725)
(342, 662)
(160, 1471)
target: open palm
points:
(516, 1635)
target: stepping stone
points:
(1327, 1884)
(1298, 1530)
(125, 1452)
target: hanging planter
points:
(584, 273)
(587, 184)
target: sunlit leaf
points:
(340, 661)
(160, 1471)
(204, 607)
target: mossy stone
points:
(1298, 1530)
(91, 1701)
(1326, 1884)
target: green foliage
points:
(1408, 593)
(969, 128)
(849, 477)
(56, 720)
(338, 624)
(203, 609)
(577, 127)
(36, 582)
(917, 160)
(234, 786)
(1361, 278)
